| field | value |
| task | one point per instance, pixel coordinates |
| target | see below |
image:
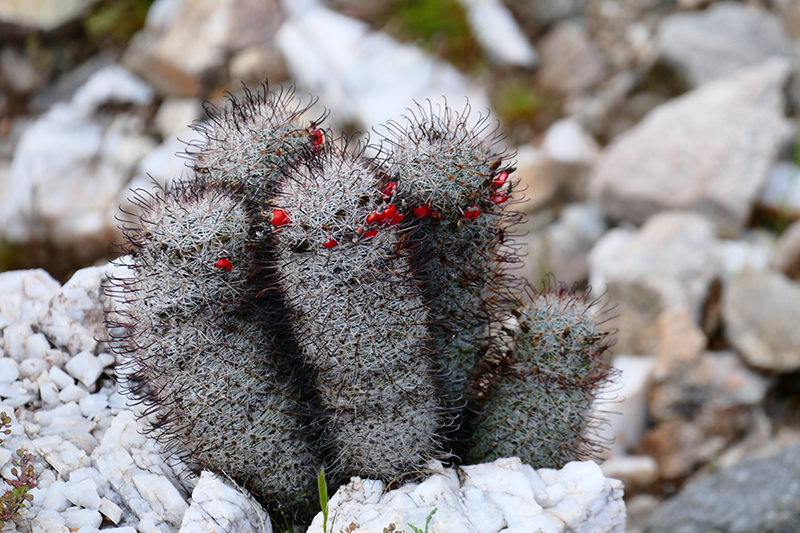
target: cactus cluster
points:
(296, 304)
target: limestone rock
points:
(668, 264)
(498, 33)
(570, 61)
(184, 47)
(787, 257)
(44, 15)
(760, 310)
(728, 36)
(365, 77)
(755, 495)
(505, 495)
(219, 508)
(709, 150)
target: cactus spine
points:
(199, 360)
(457, 183)
(360, 316)
(542, 389)
(295, 305)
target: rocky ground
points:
(658, 145)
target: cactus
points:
(295, 305)
(201, 362)
(541, 390)
(457, 183)
(360, 317)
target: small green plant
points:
(323, 499)
(25, 479)
(392, 528)
(427, 523)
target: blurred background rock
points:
(656, 141)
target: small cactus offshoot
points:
(296, 305)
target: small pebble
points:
(9, 370)
(72, 393)
(83, 494)
(31, 367)
(77, 518)
(61, 378)
(85, 368)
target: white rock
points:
(628, 418)
(43, 15)
(83, 494)
(567, 142)
(49, 522)
(499, 34)
(709, 150)
(15, 340)
(112, 84)
(365, 77)
(110, 510)
(15, 395)
(92, 404)
(49, 394)
(505, 495)
(45, 418)
(62, 455)
(175, 114)
(85, 368)
(72, 393)
(78, 518)
(25, 293)
(668, 264)
(32, 367)
(105, 359)
(162, 496)
(9, 370)
(56, 500)
(37, 346)
(75, 317)
(218, 508)
(61, 378)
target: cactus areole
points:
(296, 305)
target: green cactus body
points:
(542, 391)
(194, 354)
(450, 175)
(359, 317)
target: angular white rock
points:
(9, 370)
(112, 84)
(110, 510)
(76, 518)
(505, 495)
(218, 508)
(25, 294)
(83, 493)
(72, 394)
(32, 367)
(60, 378)
(62, 455)
(499, 34)
(85, 368)
(367, 77)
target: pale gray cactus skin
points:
(195, 356)
(347, 326)
(361, 319)
(542, 390)
(443, 164)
